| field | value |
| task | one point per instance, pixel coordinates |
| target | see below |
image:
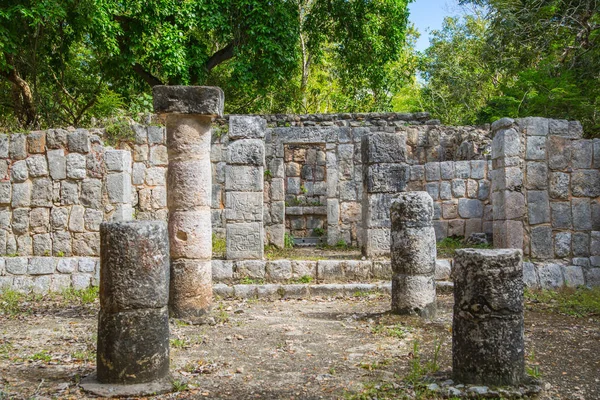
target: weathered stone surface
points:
(222, 271)
(5, 193)
(244, 206)
(17, 149)
(133, 346)
(135, 265)
(559, 185)
(581, 154)
(76, 166)
(38, 166)
(118, 187)
(562, 244)
(383, 148)
(550, 276)
(246, 152)
(538, 206)
(16, 265)
(536, 148)
(41, 266)
(19, 171)
(117, 160)
(91, 193)
(241, 178)
(159, 155)
(186, 183)
(387, 178)
(506, 143)
(534, 126)
(487, 331)
(156, 134)
(190, 235)
(581, 244)
(190, 289)
(42, 244)
(573, 276)
(246, 127)
(69, 192)
(585, 183)
(541, 242)
(204, 100)
(41, 192)
(530, 276)
(86, 244)
(582, 213)
(57, 164)
(478, 169)
(279, 270)
(462, 169)
(21, 194)
(244, 241)
(79, 141)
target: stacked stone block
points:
(413, 254)
(488, 344)
(508, 198)
(386, 173)
(118, 183)
(189, 111)
(244, 185)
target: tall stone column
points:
(133, 324)
(385, 173)
(244, 186)
(189, 111)
(413, 254)
(487, 329)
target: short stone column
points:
(133, 324)
(244, 186)
(487, 330)
(385, 173)
(413, 254)
(189, 111)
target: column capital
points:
(198, 100)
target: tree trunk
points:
(23, 98)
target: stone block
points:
(432, 171)
(387, 178)
(573, 276)
(484, 190)
(246, 127)
(118, 187)
(443, 269)
(562, 244)
(76, 220)
(140, 152)
(117, 160)
(76, 166)
(596, 146)
(508, 234)
(582, 214)
(86, 264)
(445, 190)
(222, 271)
(595, 206)
(581, 154)
(417, 172)
(383, 148)
(534, 126)
(472, 187)
(86, 244)
(592, 277)
(508, 205)
(60, 283)
(79, 141)
(241, 178)
(506, 143)
(581, 261)
(559, 185)
(279, 270)
(530, 276)
(20, 221)
(19, 172)
(156, 134)
(56, 138)
(159, 155)
(581, 244)
(41, 194)
(93, 219)
(537, 175)
(253, 269)
(595, 243)
(538, 207)
(456, 227)
(462, 169)
(37, 165)
(304, 269)
(16, 265)
(41, 266)
(377, 242)
(69, 192)
(446, 170)
(559, 152)
(433, 188)
(156, 176)
(246, 152)
(244, 241)
(5, 193)
(561, 215)
(139, 173)
(536, 148)
(244, 206)
(585, 183)
(91, 193)
(551, 276)
(21, 194)
(541, 242)
(3, 146)
(17, 149)
(39, 220)
(330, 271)
(378, 210)
(81, 281)
(61, 244)
(66, 265)
(470, 208)
(458, 187)
(57, 164)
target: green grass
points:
(9, 302)
(41, 356)
(82, 296)
(398, 331)
(306, 279)
(448, 246)
(219, 246)
(577, 302)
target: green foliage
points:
(448, 246)
(318, 232)
(532, 368)
(119, 130)
(41, 356)
(288, 240)
(397, 331)
(251, 281)
(82, 296)
(219, 246)
(578, 302)
(9, 302)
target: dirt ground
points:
(292, 349)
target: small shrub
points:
(119, 130)
(219, 246)
(288, 241)
(83, 296)
(9, 302)
(318, 232)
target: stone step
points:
(305, 291)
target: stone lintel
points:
(200, 100)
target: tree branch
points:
(146, 76)
(219, 57)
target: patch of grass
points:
(9, 302)
(219, 246)
(306, 279)
(222, 316)
(251, 281)
(87, 356)
(318, 232)
(375, 364)
(398, 331)
(119, 131)
(5, 349)
(288, 241)
(82, 296)
(179, 386)
(360, 294)
(179, 343)
(41, 356)
(532, 368)
(448, 246)
(577, 302)
(275, 253)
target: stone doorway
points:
(306, 193)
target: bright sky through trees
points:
(428, 15)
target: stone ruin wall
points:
(56, 187)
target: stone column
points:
(385, 173)
(508, 200)
(133, 325)
(413, 254)
(487, 328)
(189, 111)
(244, 185)
(118, 183)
